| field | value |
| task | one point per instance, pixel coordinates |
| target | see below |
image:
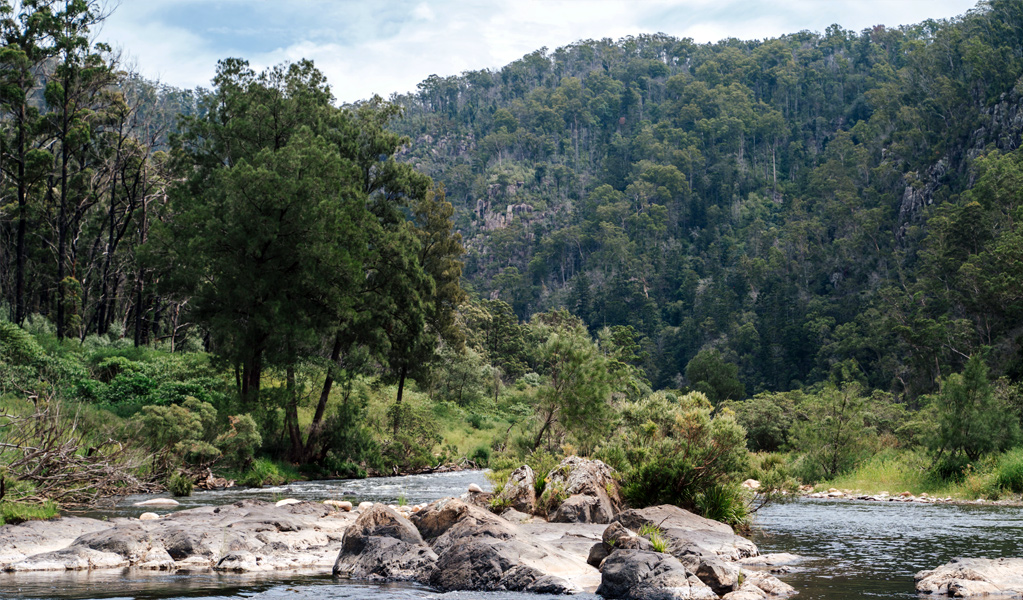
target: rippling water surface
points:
(854, 549)
(872, 549)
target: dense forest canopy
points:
(793, 204)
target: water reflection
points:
(871, 549)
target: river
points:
(853, 549)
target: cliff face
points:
(1000, 127)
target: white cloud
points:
(366, 47)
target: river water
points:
(853, 549)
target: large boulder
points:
(130, 541)
(969, 577)
(477, 550)
(590, 490)
(520, 490)
(384, 545)
(688, 534)
(644, 575)
(722, 576)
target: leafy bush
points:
(1009, 474)
(724, 502)
(342, 468)
(832, 433)
(419, 432)
(767, 419)
(693, 460)
(481, 456)
(972, 420)
(542, 462)
(262, 471)
(180, 484)
(240, 442)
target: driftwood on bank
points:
(49, 450)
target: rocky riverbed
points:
(449, 544)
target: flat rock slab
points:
(972, 577)
(18, 542)
(690, 534)
(251, 535)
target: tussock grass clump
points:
(12, 513)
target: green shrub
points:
(418, 433)
(481, 456)
(691, 461)
(263, 471)
(1009, 474)
(180, 484)
(725, 503)
(240, 442)
(18, 347)
(972, 420)
(542, 462)
(833, 435)
(342, 469)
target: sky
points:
(387, 46)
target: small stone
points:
(365, 505)
(339, 504)
(475, 489)
(751, 484)
(148, 516)
(417, 508)
(287, 501)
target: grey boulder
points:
(384, 545)
(644, 575)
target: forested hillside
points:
(654, 252)
(821, 203)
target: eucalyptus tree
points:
(26, 46)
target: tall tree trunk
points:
(251, 379)
(397, 403)
(19, 276)
(321, 406)
(291, 414)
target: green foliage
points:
(1010, 471)
(692, 460)
(972, 422)
(12, 513)
(180, 484)
(481, 456)
(413, 447)
(238, 444)
(262, 472)
(832, 432)
(575, 395)
(542, 463)
(709, 373)
(767, 419)
(655, 535)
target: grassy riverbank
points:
(995, 477)
(18, 512)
